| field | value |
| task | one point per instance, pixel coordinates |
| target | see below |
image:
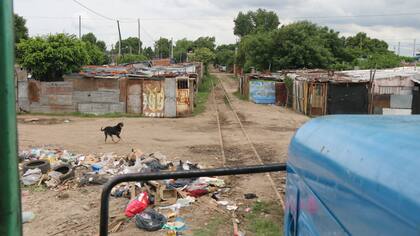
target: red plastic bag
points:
(137, 205)
(197, 192)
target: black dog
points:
(113, 130)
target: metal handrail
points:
(104, 214)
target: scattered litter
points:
(231, 207)
(31, 176)
(27, 216)
(177, 225)
(250, 195)
(154, 204)
(137, 205)
(150, 220)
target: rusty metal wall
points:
(153, 98)
(183, 102)
(281, 93)
(134, 96)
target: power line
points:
(93, 11)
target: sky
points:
(390, 20)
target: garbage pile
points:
(153, 205)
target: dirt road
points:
(193, 138)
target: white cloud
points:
(194, 18)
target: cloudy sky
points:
(391, 20)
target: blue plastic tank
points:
(354, 175)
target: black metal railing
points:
(103, 227)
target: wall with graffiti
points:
(153, 98)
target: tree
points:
(204, 55)
(96, 55)
(256, 50)
(205, 42)
(243, 24)
(182, 47)
(91, 38)
(52, 56)
(225, 55)
(129, 45)
(163, 47)
(264, 21)
(255, 21)
(302, 45)
(21, 32)
(131, 58)
(148, 52)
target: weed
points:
(204, 90)
(265, 219)
(240, 96)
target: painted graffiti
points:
(153, 99)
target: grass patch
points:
(203, 93)
(240, 96)
(265, 219)
(212, 227)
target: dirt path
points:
(192, 138)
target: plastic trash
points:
(150, 220)
(27, 216)
(137, 205)
(183, 202)
(250, 195)
(31, 176)
(177, 225)
(211, 181)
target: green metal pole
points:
(10, 208)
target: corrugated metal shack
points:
(393, 90)
(263, 88)
(317, 92)
(136, 88)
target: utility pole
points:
(138, 31)
(119, 35)
(80, 27)
(414, 48)
(172, 48)
(399, 44)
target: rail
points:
(104, 213)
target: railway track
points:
(234, 133)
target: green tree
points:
(129, 45)
(96, 49)
(243, 24)
(131, 58)
(181, 48)
(148, 52)
(302, 45)
(205, 42)
(50, 57)
(163, 47)
(225, 55)
(256, 50)
(265, 21)
(91, 38)
(204, 55)
(96, 55)
(260, 20)
(21, 32)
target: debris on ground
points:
(27, 216)
(152, 205)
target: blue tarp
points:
(262, 92)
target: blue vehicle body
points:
(354, 175)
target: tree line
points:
(264, 44)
